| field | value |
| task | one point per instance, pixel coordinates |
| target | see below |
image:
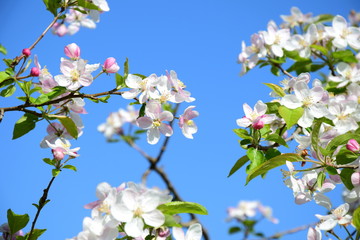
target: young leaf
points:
(88, 5)
(256, 157)
(71, 167)
(24, 125)
(16, 222)
(55, 172)
(126, 68)
(68, 123)
(233, 230)
(36, 234)
(345, 156)
(272, 163)
(52, 6)
(170, 221)
(356, 219)
(276, 88)
(272, 107)
(345, 176)
(320, 179)
(291, 116)
(342, 139)
(177, 207)
(239, 163)
(3, 49)
(7, 92)
(319, 48)
(242, 133)
(120, 81)
(276, 138)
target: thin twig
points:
(291, 231)
(283, 70)
(42, 202)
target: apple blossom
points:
(255, 118)
(77, 19)
(75, 74)
(244, 210)
(296, 18)
(314, 234)
(145, 87)
(110, 65)
(5, 230)
(64, 145)
(187, 125)
(353, 145)
(337, 216)
(193, 233)
(276, 38)
(59, 29)
(347, 73)
(72, 51)
(342, 34)
(153, 121)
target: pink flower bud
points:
(72, 51)
(163, 232)
(26, 52)
(35, 72)
(58, 153)
(353, 145)
(258, 124)
(110, 65)
(355, 179)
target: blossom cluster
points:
(273, 42)
(248, 209)
(76, 73)
(78, 16)
(321, 116)
(154, 93)
(130, 210)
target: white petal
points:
(154, 218)
(135, 227)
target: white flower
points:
(193, 233)
(276, 38)
(338, 216)
(145, 87)
(342, 34)
(135, 208)
(153, 121)
(75, 74)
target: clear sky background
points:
(200, 40)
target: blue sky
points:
(200, 40)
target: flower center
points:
(307, 101)
(189, 123)
(75, 75)
(138, 212)
(104, 208)
(156, 123)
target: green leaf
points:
(142, 110)
(321, 49)
(276, 88)
(3, 49)
(239, 163)
(8, 62)
(345, 56)
(331, 170)
(3, 76)
(341, 140)
(356, 219)
(177, 207)
(256, 157)
(315, 135)
(273, 163)
(48, 161)
(345, 176)
(36, 234)
(291, 116)
(24, 125)
(16, 222)
(271, 153)
(88, 5)
(274, 70)
(126, 68)
(233, 230)
(243, 133)
(170, 221)
(55, 172)
(56, 91)
(272, 107)
(346, 156)
(68, 123)
(320, 179)
(276, 138)
(52, 6)
(324, 18)
(295, 56)
(140, 75)
(7, 92)
(120, 81)
(71, 167)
